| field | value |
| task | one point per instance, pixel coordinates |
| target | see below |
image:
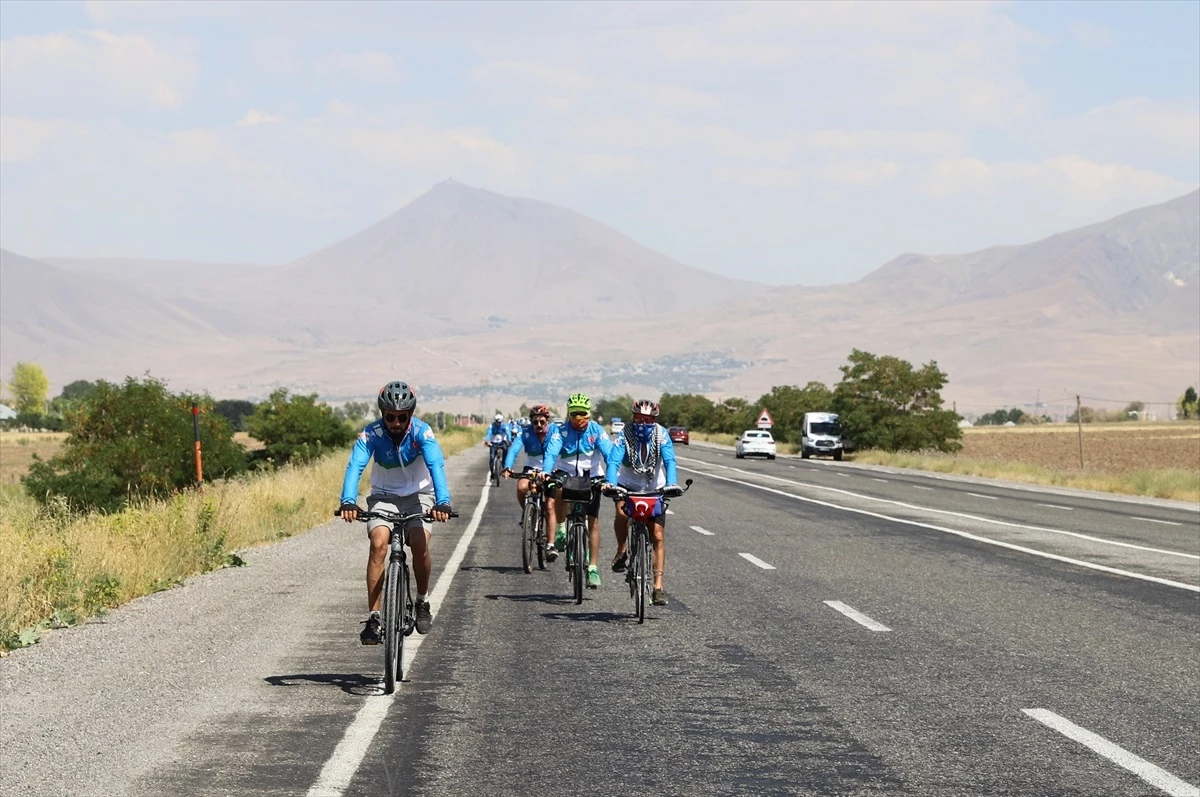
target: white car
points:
(617, 425)
(755, 443)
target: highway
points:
(832, 630)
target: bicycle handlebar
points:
(618, 491)
(391, 517)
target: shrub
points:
(296, 428)
(129, 441)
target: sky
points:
(788, 143)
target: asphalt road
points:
(832, 630)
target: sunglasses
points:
(643, 419)
(580, 414)
(397, 417)
(540, 421)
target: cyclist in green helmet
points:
(579, 447)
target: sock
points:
(562, 529)
(420, 599)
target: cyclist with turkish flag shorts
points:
(577, 447)
(408, 476)
(532, 442)
(643, 461)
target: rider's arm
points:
(431, 452)
(360, 455)
(602, 442)
(668, 459)
(615, 457)
(510, 458)
(554, 444)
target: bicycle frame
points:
(578, 542)
(639, 572)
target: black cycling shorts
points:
(593, 509)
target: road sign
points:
(764, 420)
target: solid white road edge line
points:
(1087, 537)
(856, 616)
(1056, 506)
(705, 532)
(340, 768)
(989, 497)
(1152, 520)
(1154, 775)
(956, 532)
(754, 560)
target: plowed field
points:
(1113, 448)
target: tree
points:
(1187, 404)
(1135, 410)
(236, 411)
(884, 403)
(615, 407)
(29, 387)
(296, 428)
(80, 388)
(1001, 417)
(686, 409)
(787, 405)
(133, 440)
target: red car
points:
(679, 434)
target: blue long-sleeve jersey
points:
(529, 442)
(416, 465)
(497, 428)
(566, 443)
(621, 470)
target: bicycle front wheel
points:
(529, 532)
(392, 620)
(578, 532)
(539, 536)
(638, 560)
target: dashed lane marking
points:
(988, 497)
(705, 532)
(1153, 520)
(857, 616)
(754, 560)
(1056, 506)
(1154, 775)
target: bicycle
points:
(499, 447)
(397, 617)
(577, 494)
(642, 509)
(533, 523)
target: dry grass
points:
(57, 568)
(17, 450)
(1159, 459)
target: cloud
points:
(1064, 175)
(23, 139)
(370, 66)
(1091, 35)
(255, 117)
(92, 68)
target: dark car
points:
(679, 434)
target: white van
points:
(822, 435)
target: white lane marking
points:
(1152, 520)
(340, 768)
(885, 481)
(1056, 506)
(919, 487)
(705, 532)
(1154, 775)
(857, 616)
(754, 560)
(989, 497)
(793, 467)
(847, 475)
(930, 509)
(670, 511)
(968, 535)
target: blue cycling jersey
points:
(629, 467)
(529, 442)
(497, 428)
(416, 465)
(566, 443)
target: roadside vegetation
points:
(108, 510)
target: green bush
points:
(296, 428)
(129, 441)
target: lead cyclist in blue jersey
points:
(580, 447)
(408, 476)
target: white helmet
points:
(499, 417)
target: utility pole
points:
(1079, 420)
(196, 434)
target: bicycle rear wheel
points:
(391, 620)
(578, 532)
(539, 535)
(529, 531)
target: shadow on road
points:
(590, 617)
(493, 568)
(353, 684)
(528, 598)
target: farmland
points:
(1111, 448)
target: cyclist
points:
(498, 429)
(532, 441)
(579, 447)
(408, 476)
(642, 461)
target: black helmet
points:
(398, 397)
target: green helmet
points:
(579, 401)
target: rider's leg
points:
(594, 529)
(658, 535)
(376, 562)
(522, 491)
(418, 541)
(621, 528)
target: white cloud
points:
(23, 139)
(255, 117)
(1068, 175)
(370, 66)
(91, 68)
(1091, 35)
